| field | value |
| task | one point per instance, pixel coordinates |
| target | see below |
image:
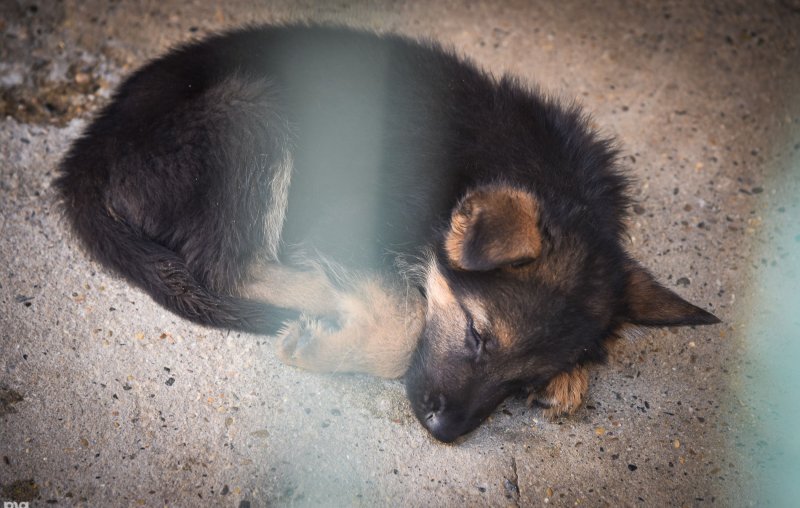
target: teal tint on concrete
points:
(771, 385)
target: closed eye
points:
(474, 337)
(521, 263)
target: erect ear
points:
(493, 226)
(651, 304)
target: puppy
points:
(380, 203)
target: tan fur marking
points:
(564, 393)
(438, 289)
(379, 331)
(446, 317)
(510, 213)
(477, 311)
(309, 291)
(504, 334)
(278, 203)
(454, 240)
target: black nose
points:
(437, 419)
(434, 406)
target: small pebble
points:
(82, 78)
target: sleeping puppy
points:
(381, 204)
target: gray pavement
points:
(107, 399)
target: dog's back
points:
(266, 140)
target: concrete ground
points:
(107, 399)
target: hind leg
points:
(376, 333)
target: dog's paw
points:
(374, 332)
(302, 343)
(563, 394)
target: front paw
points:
(563, 394)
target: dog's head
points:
(515, 297)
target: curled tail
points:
(158, 270)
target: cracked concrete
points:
(107, 399)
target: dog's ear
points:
(493, 226)
(651, 304)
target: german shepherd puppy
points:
(381, 204)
